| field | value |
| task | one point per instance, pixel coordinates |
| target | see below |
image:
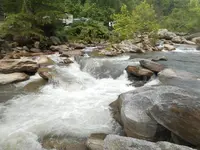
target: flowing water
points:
(76, 103)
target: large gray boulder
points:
(12, 78)
(21, 65)
(131, 110)
(115, 142)
(179, 114)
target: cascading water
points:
(77, 105)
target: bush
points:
(87, 31)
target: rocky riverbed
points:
(74, 98)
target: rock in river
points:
(179, 114)
(131, 110)
(20, 65)
(139, 72)
(12, 78)
(115, 142)
(153, 66)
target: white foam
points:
(76, 106)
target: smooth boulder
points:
(153, 66)
(165, 34)
(19, 65)
(139, 72)
(131, 111)
(45, 61)
(12, 78)
(115, 142)
(179, 114)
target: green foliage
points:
(88, 31)
(185, 19)
(142, 19)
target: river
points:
(76, 103)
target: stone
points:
(179, 114)
(163, 58)
(108, 53)
(18, 65)
(131, 110)
(169, 47)
(139, 72)
(115, 142)
(153, 66)
(45, 61)
(128, 46)
(45, 73)
(188, 42)
(60, 48)
(96, 141)
(71, 53)
(55, 40)
(67, 61)
(77, 46)
(179, 78)
(165, 34)
(25, 48)
(177, 39)
(37, 45)
(12, 78)
(196, 40)
(35, 50)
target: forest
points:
(41, 18)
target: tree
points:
(31, 17)
(142, 19)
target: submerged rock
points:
(21, 65)
(131, 110)
(96, 141)
(68, 61)
(115, 142)
(153, 66)
(45, 73)
(12, 78)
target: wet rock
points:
(35, 50)
(169, 47)
(108, 53)
(177, 39)
(115, 142)
(45, 61)
(77, 46)
(131, 111)
(189, 42)
(12, 78)
(153, 66)
(71, 53)
(179, 114)
(35, 85)
(67, 61)
(163, 58)
(15, 65)
(45, 73)
(196, 40)
(63, 143)
(139, 72)
(165, 34)
(96, 141)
